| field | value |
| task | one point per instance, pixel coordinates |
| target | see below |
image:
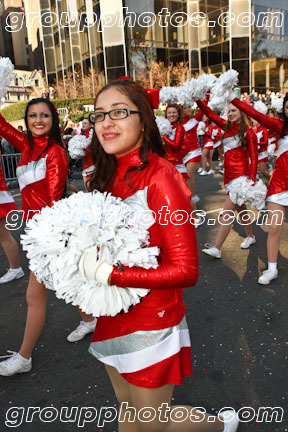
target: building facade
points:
(256, 44)
(82, 40)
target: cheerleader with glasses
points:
(146, 351)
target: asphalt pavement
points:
(238, 331)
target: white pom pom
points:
(193, 90)
(261, 107)
(243, 191)
(56, 239)
(221, 89)
(6, 75)
(168, 95)
(164, 125)
(271, 150)
(78, 144)
(277, 104)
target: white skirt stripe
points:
(136, 361)
(88, 171)
(280, 198)
(192, 154)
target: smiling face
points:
(86, 124)
(118, 137)
(234, 114)
(39, 119)
(172, 114)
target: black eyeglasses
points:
(115, 114)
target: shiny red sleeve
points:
(56, 174)
(12, 135)
(180, 268)
(252, 146)
(176, 144)
(199, 115)
(273, 124)
(211, 114)
(264, 141)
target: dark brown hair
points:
(242, 129)
(180, 113)
(284, 116)
(106, 164)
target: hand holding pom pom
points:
(93, 265)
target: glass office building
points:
(257, 49)
(258, 53)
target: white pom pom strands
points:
(78, 144)
(168, 95)
(261, 107)
(222, 89)
(243, 191)
(56, 239)
(278, 104)
(194, 89)
(6, 75)
(163, 125)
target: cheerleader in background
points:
(262, 140)
(208, 151)
(191, 150)
(8, 243)
(174, 143)
(41, 172)
(146, 351)
(277, 195)
(217, 143)
(239, 144)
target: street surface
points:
(238, 332)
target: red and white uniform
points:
(216, 135)
(207, 139)
(88, 166)
(173, 145)
(41, 181)
(7, 203)
(191, 149)
(262, 140)
(150, 344)
(236, 158)
(278, 184)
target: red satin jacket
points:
(279, 179)
(161, 189)
(191, 142)
(262, 138)
(41, 182)
(236, 158)
(173, 145)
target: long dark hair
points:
(106, 164)
(285, 118)
(55, 130)
(242, 129)
(179, 110)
